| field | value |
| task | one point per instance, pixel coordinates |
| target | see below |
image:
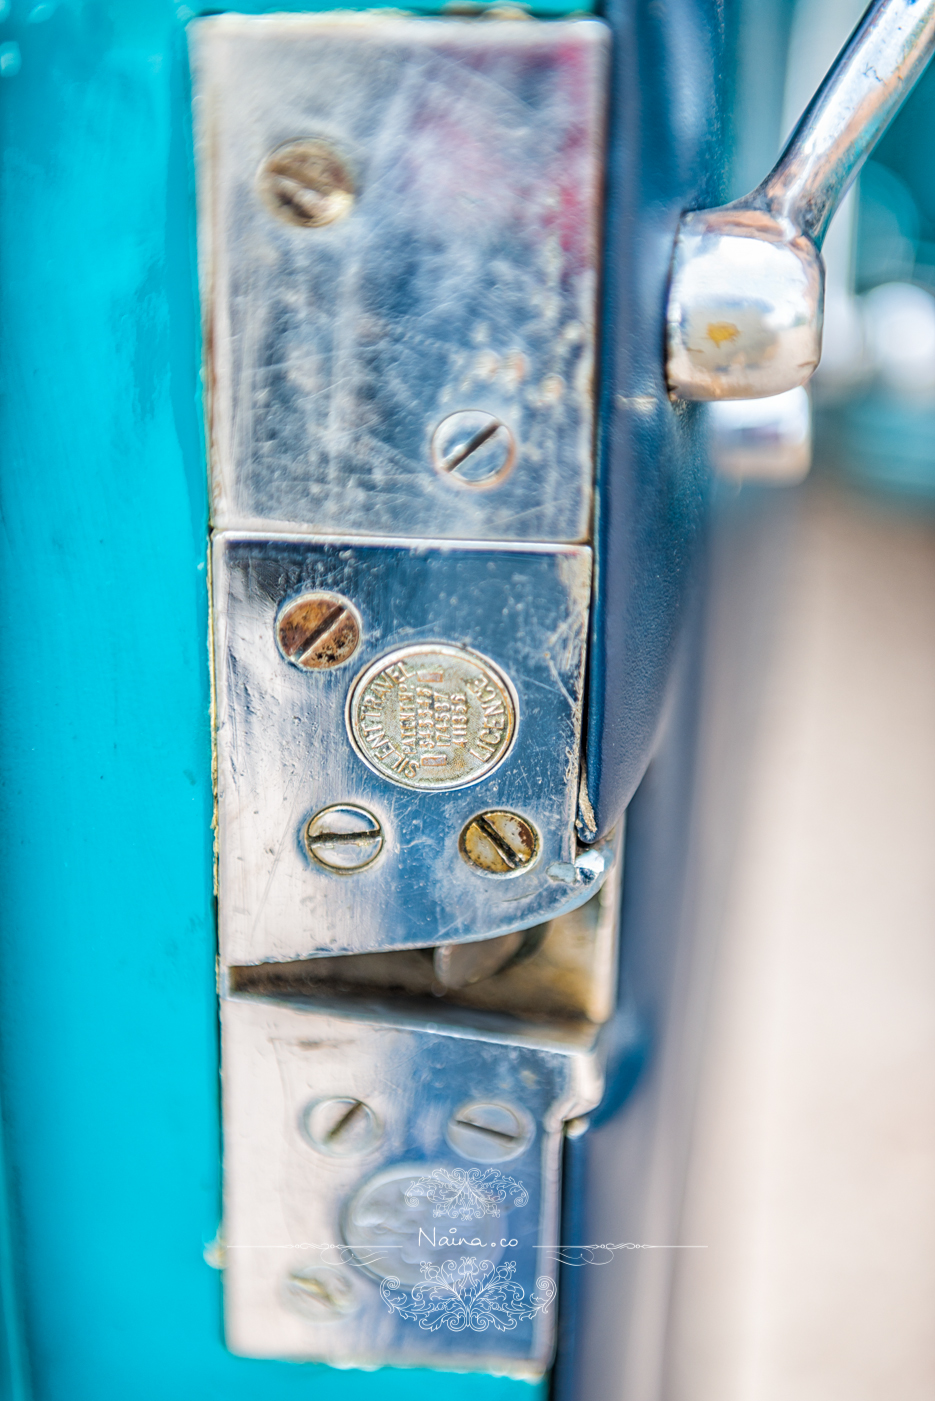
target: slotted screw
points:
(306, 183)
(341, 1126)
(318, 630)
(344, 838)
(474, 448)
(498, 842)
(322, 1290)
(487, 1132)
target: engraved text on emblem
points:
(432, 716)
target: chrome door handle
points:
(745, 301)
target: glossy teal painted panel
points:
(109, 1043)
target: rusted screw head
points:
(342, 1126)
(473, 448)
(499, 842)
(344, 838)
(318, 630)
(489, 1132)
(306, 183)
(322, 1292)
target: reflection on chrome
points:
(745, 304)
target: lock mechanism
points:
(399, 238)
(399, 231)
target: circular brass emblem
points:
(432, 716)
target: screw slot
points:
(473, 448)
(342, 1127)
(487, 1132)
(499, 843)
(344, 838)
(318, 630)
(306, 183)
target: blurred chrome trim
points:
(762, 440)
(746, 299)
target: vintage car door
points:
(399, 286)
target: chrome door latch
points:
(399, 235)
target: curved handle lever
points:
(745, 300)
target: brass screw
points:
(306, 183)
(499, 842)
(318, 630)
(474, 448)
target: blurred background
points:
(810, 1206)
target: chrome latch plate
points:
(384, 1176)
(294, 741)
(399, 223)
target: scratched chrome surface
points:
(289, 1206)
(746, 299)
(464, 276)
(284, 750)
